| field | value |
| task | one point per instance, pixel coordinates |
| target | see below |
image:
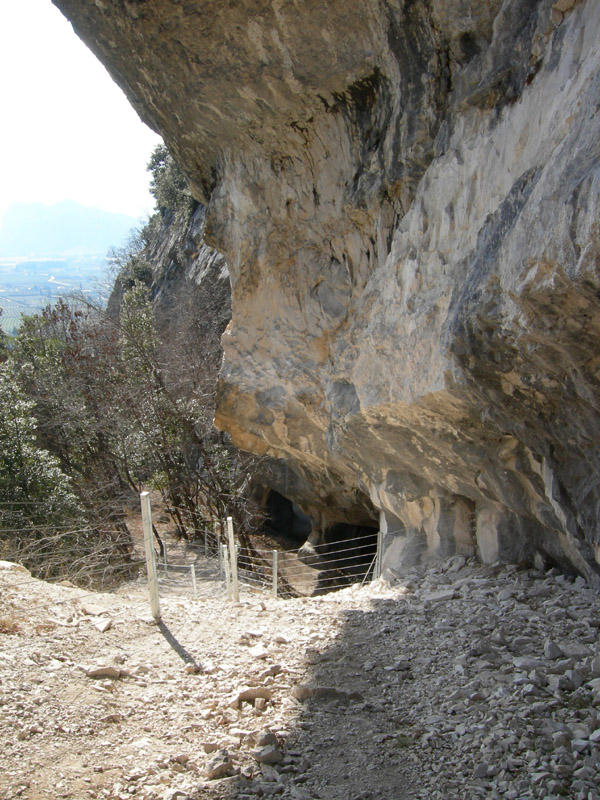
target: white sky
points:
(67, 131)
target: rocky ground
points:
(462, 681)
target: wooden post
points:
(226, 568)
(379, 555)
(275, 559)
(150, 556)
(205, 543)
(233, 558)
(194, 585)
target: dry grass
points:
(8, 625)
(44, 627)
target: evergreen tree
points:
(37, 502)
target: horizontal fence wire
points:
(329, 566)
(190, 567)
(89, 556)
(325, 564)
(249, 579)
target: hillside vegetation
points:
(97, 404)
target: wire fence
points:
(258, 569)
(191, 569)
(334, 565)
(97, 554)
(219, 564)
(278, 572)
(212, 564)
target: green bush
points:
(169, 186)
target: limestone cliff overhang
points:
(213, 77)
(407, 195)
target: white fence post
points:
(205, 543)
(194, 585)
(233, 559)
(275, 559)
(226, 568)
(379, 555)
(150, 556)
(220, 552)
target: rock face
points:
(407, 195)
(190, 291)
(191, 297)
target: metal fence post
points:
(275, 559)
(150, 556)
(233, 559)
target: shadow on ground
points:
(349, 740)
(176, 645)
(352, 732)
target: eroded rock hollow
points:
(407, 195)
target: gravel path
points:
(462, 681)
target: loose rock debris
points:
(461, 681)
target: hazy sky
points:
(66, 130)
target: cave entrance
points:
(286, 521)
(344, 552)
(316, 557)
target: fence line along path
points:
(191, 569)
(217, 565)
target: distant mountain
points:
(67, 228)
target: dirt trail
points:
(443, 687)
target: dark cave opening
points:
(336, 554)
(285, 520)
(351, 548)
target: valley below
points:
(27, 285)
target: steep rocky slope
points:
(407, 197)
(190, 291)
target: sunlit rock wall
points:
(407, 195)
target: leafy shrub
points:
(169, 186)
